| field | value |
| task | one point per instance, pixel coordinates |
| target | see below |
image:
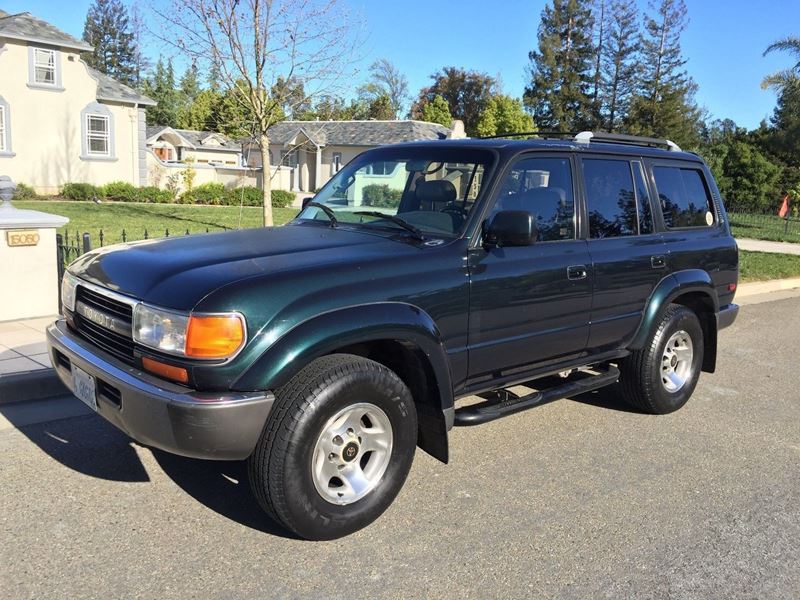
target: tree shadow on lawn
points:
(144, 212)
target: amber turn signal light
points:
(166, 371)
(214, 336)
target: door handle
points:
(658, 262)
(576, 272)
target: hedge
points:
(381, 195)
(207, 193)
(25, 192)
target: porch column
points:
(318, 170)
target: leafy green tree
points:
(293, 97)
(160, 86)
(619, 63)
(504, 114)
(201, 113)
(466, 93)
(437, 111)
(558, 94)
(749, 180)
(600, 40)
(386, 80)
(108, 31)
(778, 80)
(663, 105)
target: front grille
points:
(114, 343)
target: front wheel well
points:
(409, 362)
(703, 306)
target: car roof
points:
(513, 146)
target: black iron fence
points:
(765, 226)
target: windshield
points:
(431, 189)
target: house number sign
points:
(22, 237)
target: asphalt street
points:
(576, 499)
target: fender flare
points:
(326, 332)
(668, 289)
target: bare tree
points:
(256, 44)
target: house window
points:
(337, 163)
(381, 168)
(98, 135)
(44, 66)
(3, 128)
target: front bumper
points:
(154, 412)
(727, 315)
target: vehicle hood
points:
(178, 272)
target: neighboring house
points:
(304, 155)
(213, 156)
(61, 121)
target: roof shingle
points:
(357, 133)
(24, 26)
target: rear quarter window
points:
(684, 197)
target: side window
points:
(610, 198)
(684, 197)
(543, 187)
(642, 199)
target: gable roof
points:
(357, 133)
(110, 89)
(24, 26)
(194, 139)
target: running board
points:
(510, 404)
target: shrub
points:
(381, 195)
(207, 193)
(282, 198)
(81, 191)
(154, 194)
(25, 192)
(121, 191)
(247, 195)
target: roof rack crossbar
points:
(586, 137)
(541, 134)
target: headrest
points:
(436, 191)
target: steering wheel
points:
(459, 210)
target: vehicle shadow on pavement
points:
(87, 445)
(608, 397)
(222, 486)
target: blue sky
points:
(723, 43)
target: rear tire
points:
(659, 378)
(336, 448)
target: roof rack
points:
(540, 134)
(586, 137)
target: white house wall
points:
(46, 130)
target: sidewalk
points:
(25, 371)
(766, 246)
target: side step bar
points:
(510, 404)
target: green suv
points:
(325, 351)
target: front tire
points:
(660, 378)
(336, 449)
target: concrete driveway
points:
(576, 499)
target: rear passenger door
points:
(628, 256)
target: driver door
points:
(530, 305)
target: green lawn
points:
(760, 266)
(764, 227)
(135, 218)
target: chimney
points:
(457, 131)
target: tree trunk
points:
(266, 180)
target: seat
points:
(435, 194)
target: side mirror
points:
(511, 228)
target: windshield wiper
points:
(394, 219)
(328, 212)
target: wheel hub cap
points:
(352, 453)
(676, 363)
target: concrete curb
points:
(32, 385)
(765, 287)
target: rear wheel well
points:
(410, 364)
(703, 306)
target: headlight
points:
(68, 284)
(194, 336)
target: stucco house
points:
(61, 121)
(304, 155)
(213, 156)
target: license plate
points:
(83, 387)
